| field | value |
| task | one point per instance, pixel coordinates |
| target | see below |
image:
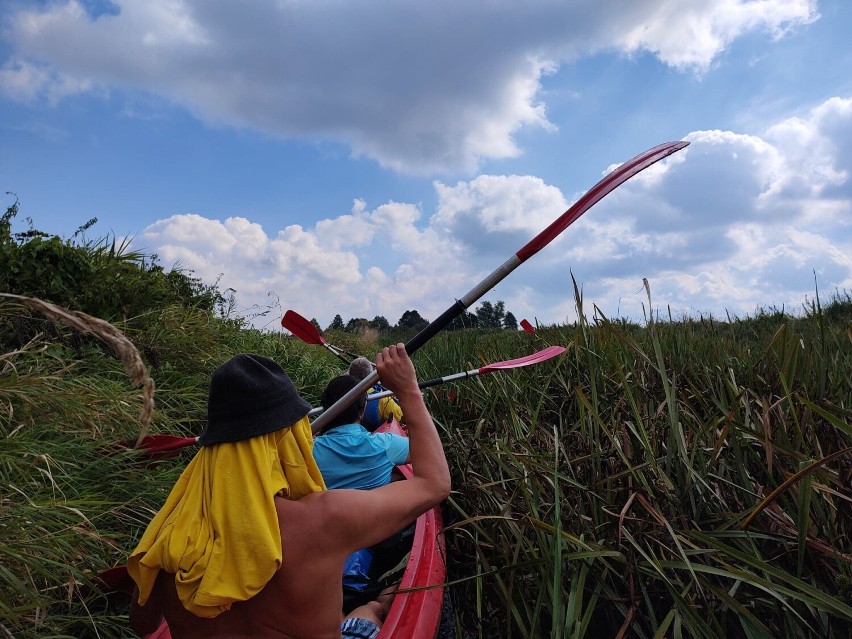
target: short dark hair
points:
(337, 388)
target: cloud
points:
(690, 35)
(462, 80)
(727, 225)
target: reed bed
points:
(682, 479)
(686, 478)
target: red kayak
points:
(413, 615)
(417, 614)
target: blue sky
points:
(369, 158)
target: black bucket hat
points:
(250, 395)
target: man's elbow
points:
(443, 486)
(431, 490)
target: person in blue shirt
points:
(347, 454)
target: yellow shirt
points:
(218, 531)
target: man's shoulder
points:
(344, 430)
(313, 506)
(394, 437)
(314, 512)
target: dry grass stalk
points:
(123, 347)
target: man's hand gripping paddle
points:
(609, 182)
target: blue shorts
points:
(357, 628)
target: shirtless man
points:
(303, 597)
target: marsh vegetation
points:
(682, 477)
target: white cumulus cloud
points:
(419, 87)
(723, 226)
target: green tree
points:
(336, 324)
(510, 323)
(462, 321)
(380, 323)
(356, 325)
(491, 315)
(412, 319)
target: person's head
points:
(337, 388)
(250, 395)
(360, 368)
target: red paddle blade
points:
(608, 183)
(527, 326)
(535, 358)
(166, 443)
(302, 328)
(159, 446)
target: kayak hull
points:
(417, 614)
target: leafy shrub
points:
(103, 278)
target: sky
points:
(367, 158)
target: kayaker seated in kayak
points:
(347, 454)
(378, 411)
(249, 543)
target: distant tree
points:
(510, 323)
(380, 323)
(499, 313)
(491, 315)
(412, 319)
(356, 325)
(315, 323)
(336, 324)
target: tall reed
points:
(678, 478)
(686, 478)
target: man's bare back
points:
(304, 598)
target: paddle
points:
(165, 446)
(158, 446)
(527, 326)
(541, 356)
(307, 332)
(609, 182)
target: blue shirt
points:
(350, 457)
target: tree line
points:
(487, 315)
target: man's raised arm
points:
(426, 453)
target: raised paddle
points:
(307, 332)
(527, 326)
(609, 182)
(541, 356)
(158, 446)
(165, 446)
